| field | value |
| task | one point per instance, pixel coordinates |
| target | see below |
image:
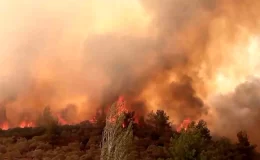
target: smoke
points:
(239, 110)
(174, 55)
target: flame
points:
(121, 103)
(61, 120)
(25, 124)
(184, 125)
(30, 123)
(121, 109)
(4, 126)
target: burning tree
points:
(117, 140)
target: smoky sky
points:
(53, 55)
(239, 110)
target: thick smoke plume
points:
(79, 56)
(239, 110)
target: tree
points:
(159, 120)
(190, 142)
(202, 128)
(221, 149)
(244, 147)
(101, 118)
(46, 118)
(51, 125)
(49, 121)
(117, 141)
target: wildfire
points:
(121, 109)
(184, 125)
(4, 126)
(25, 124)
(121, 105)
(61, 120)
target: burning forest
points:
(192, 59)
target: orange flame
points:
(61, 120)
(121, 105)
(121, 108)
(4, 126)
(184, 125)
(25, 124)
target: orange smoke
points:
(78, 57)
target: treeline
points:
(152, 138)
(191, 143)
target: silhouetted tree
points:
(141, 122)
(51, 125)
(221, 149)
(101, 118)
(203, 129)
(129, 118)
(244, 147)
(159, 120)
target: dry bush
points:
(22, 146)
(38, 153)
(14, 154)
(72, 157)
(59, 156)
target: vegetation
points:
(152, 138)
(117, 140)
(158, 120)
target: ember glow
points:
(79, 57)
